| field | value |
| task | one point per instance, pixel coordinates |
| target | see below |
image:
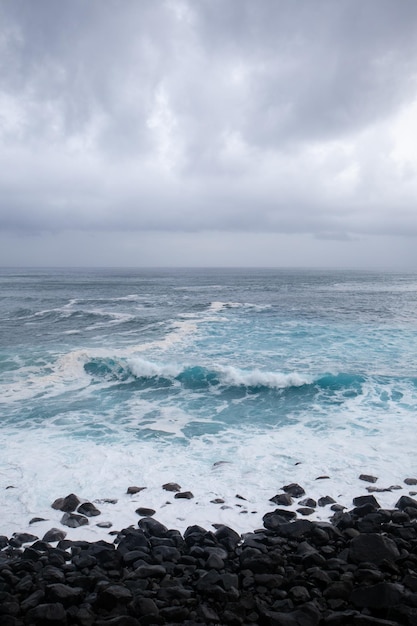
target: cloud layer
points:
(223, 116)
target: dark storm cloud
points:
(232, 115)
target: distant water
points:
(229, 382)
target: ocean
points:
(229, 382)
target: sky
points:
(208, 133)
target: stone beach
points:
(358, 568)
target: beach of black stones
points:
(359, 568)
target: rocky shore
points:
(359, 568)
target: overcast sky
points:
(208, 132)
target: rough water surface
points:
(228, 382)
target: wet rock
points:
(368, 478)
(145, 512)
(366, 500)
(297, 528)
(34, 520)
(171, 487)
(274, 519)
(310, 502)
(54, 534)
(283, 499)
(152, 528)
(325, 500)
(337, 507)
(67, 504)
(305, 510)
(133, 490)
(406, 502)
(294, 490)
(24, 537)
(185, 495)
(72, 520)
(88, 509)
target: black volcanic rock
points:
(406, 502)
(373, 548)
(88, 509)
(185, 495)
(73, 520)
(67, 504)
(294, 490)
(360, 569)
(283, 499)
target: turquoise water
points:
(199, 362)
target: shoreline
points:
(180, 507)
(358, 568)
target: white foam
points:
(45, 464)
(254, 378)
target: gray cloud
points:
(229, 116)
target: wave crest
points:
(191, 376)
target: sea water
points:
(230, 382)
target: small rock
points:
(104, 524)
(308, 502)
(325, 500)
(37, 519)
(322, 477)
(132, 490)
(54, 534)
(72, 520)
(185, 495)
(283, 499)
(362, 500)
(305, 510)
(337, 507)
(88, 509)
(300, 593)
(67, 504)
(217, 501)
(240, 497)
(276, 518)
(145, 512)
(171, 487)
(410, 481)
(25, 537)
(368, 478)
(294, 490)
